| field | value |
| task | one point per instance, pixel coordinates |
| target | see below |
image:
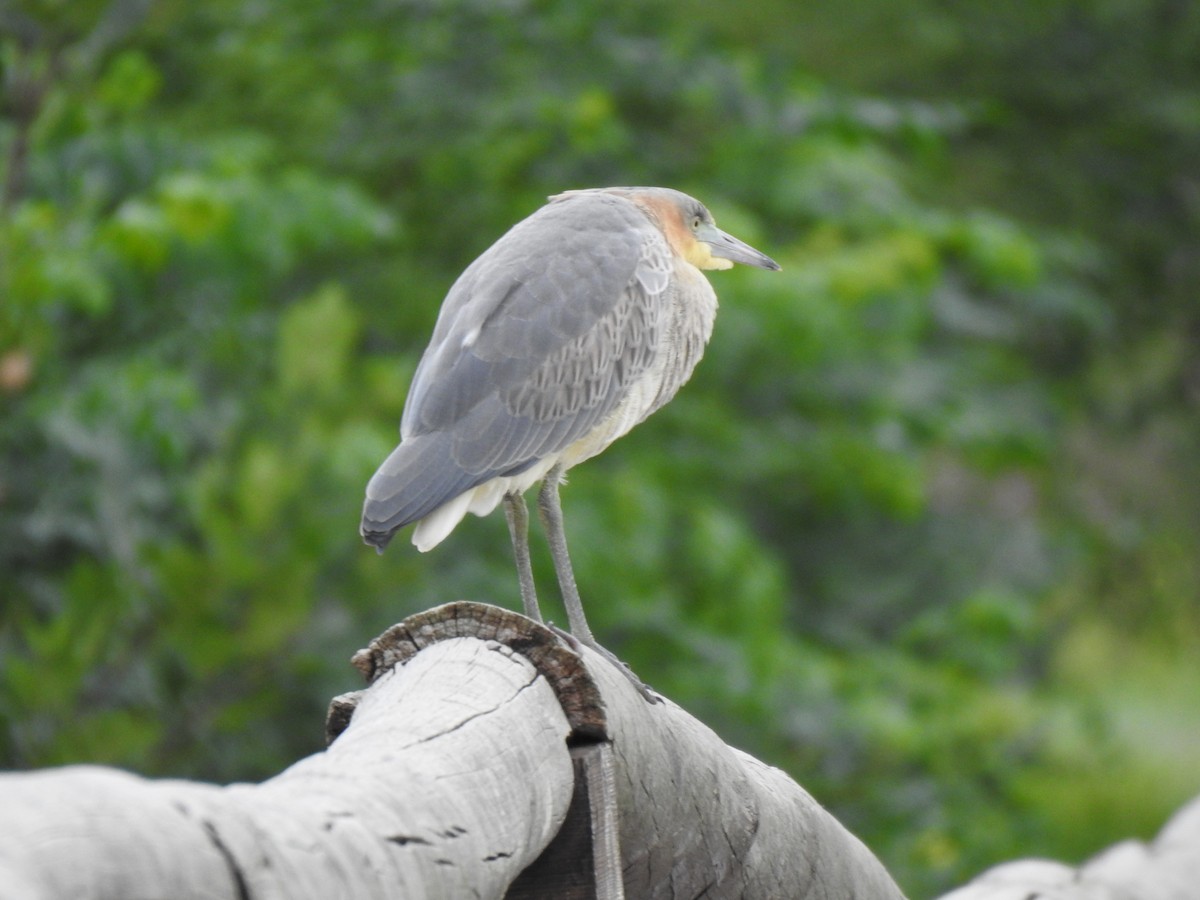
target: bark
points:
(1167, 868)
(457, 773)
(456, 768)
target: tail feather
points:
(434, 528)
(417, 477)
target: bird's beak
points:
(726, 246)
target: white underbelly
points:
(677, 355)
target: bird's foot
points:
(567, 638)
(576, 644)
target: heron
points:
(575, 326)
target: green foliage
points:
(873, 541)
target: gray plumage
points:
(513, 374)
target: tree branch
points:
(451, 775)
(1168, 868)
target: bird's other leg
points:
(518, 528)
(550, 508)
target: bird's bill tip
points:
(726, 246)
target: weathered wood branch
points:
(450, 776)
(1167, 868)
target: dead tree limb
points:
(451, 775)
(1167, 868)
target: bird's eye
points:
(696, 222)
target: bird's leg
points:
(550, 509)
(518, 528)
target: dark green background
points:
(922, 530)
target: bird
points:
(576, 325)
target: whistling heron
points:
(572, 328)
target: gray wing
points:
(537, 342)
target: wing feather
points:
(537, 343)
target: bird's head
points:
(691, 231)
